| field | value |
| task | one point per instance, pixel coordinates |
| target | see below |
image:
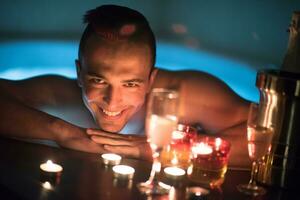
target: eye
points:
(131, 84)
(97, 80)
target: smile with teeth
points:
(111, 114)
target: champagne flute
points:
(161, 121)
(259, 145)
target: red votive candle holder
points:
(209, 161)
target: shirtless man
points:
(115, 69)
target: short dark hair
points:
(114, 22)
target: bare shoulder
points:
(42, 90)
(200, 83)
(191, 80)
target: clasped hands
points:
(133, 146)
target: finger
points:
(111, 141)
(85, 145)
(130, 137)
(105, 134)
(137, 137)
(128, 151)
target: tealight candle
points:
(123, 171)
(174, 171)
(111, 159)
(49, 166)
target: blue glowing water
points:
(23, 59)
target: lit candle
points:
(49, 166)
(174, 161)
(209, 154)
(111, 159)
(174, 171)
(123, 171)
(202, 149)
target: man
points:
(115, 69)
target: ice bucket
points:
(279, 107)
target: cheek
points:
(135, 98)
(92, 94)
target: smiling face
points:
(115, 78)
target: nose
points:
(112, 96)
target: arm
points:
(208, 101)
(237, 136)
(20, 117)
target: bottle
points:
(291, 60)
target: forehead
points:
(116, 57)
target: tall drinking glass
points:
(259, 144)
(161, 121)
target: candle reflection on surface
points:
(197, 193)
(47, 185)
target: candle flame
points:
(174, 161)
(49, 162)
(202, 149)
(177, 135)
(49, 166)
(218, 143)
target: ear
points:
(153, 74)
(78, 70)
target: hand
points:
(127, 145)
(76, 138)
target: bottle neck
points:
(291, 61)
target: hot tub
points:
(23, 59)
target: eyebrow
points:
(138, 80)
(95, 74)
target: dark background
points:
(251, 29)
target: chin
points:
(111, 128)
(112, 124)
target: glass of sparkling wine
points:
(161, 121)
(259, 144)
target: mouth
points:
(112, 115)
